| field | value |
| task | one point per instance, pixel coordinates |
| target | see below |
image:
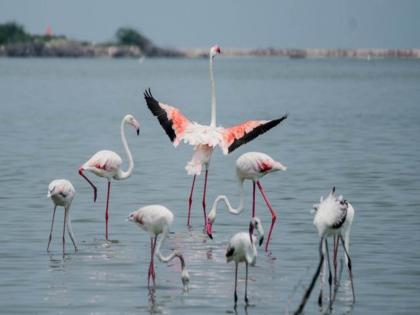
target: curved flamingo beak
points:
(138, 131)
(251, 231)
(261, 240)
(209, 227)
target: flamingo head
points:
(256, 224)
(343, 203)
(215, 50)
(50, 192)
(279, 166)
(210, 220)
(129, 119)
(185, 278)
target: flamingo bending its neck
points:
(156, 220)
(330, 217)
(205, 138)
(62, 192)
(108, 164)
(242, 248)
(251, 166)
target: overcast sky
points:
(240, 23)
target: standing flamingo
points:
(251, 166)
(108, 164)
(330, 217)
(345, 232)
(242, 248)
(157, 219)
(205, 138)
(62, 192)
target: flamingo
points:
(251, 166)
(61, 192)
(156, 220)
(107, 164)
(330, 217)
(345, 231)
(242, 248)
(205, 138)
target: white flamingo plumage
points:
(108, 164)
(205, 138)
(156, 220)
(62, 192)
(345, 232)
(242, 249)
(251, 166)
(330, 218)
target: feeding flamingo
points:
(156, 220)
(251, 166)
(242, 248)
(330, 217)
(108, 164)
(62, 192)
(205, 138)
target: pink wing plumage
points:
(238, 135)
(170, 118)
(105, 160)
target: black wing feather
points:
(255, 133)
(230, 251)
(340, 220)
(160, 113)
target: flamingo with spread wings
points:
(205, 138)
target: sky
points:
(229, 23)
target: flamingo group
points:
(205, 138)
(333, 215)
(251, 166)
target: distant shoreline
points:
(130, 43)
(76, 49)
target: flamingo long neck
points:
(213, 95)
(227, 203)
(172, 255)
(125, 174)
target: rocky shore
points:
(75, 49)
(312, 53)
(78, 49)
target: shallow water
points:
(353, 124)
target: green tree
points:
(12, 32)
(129, 36)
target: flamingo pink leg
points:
(273, 213)
(64, 231)
(150, 263)
(52, 224)
(204, 198)
(190, 200)
(90, 183)
(106, 212)
(253, 199)
(152, 273)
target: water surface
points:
(353, 124)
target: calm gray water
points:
(353, 124)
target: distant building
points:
(48, 31)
